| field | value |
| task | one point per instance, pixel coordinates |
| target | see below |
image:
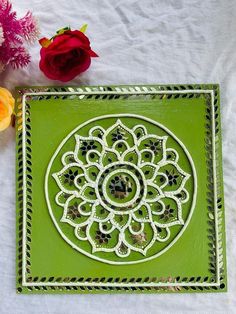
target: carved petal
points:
(100, 240)
(153, 192)
(108, 156)
(170, 215)
(121, 221)
(88, 193)
(141, 241)
(176, 177)
(119, 132)
(149, 170)
(87, 149)
(76, 211)
(155, 144)
(66, 178)
(100, 213)
(142, 214)
(132, 156)
(92, 172)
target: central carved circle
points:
(121, 187)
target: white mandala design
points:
(122, 190)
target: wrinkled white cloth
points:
(165, 41)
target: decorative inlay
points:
(125, 185)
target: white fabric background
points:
(151, 41)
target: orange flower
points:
(6, 108)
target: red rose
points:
(66, 55)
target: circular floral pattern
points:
(126, 195)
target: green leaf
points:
(84, 28)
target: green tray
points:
(119, 189)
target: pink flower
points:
(13, 33)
